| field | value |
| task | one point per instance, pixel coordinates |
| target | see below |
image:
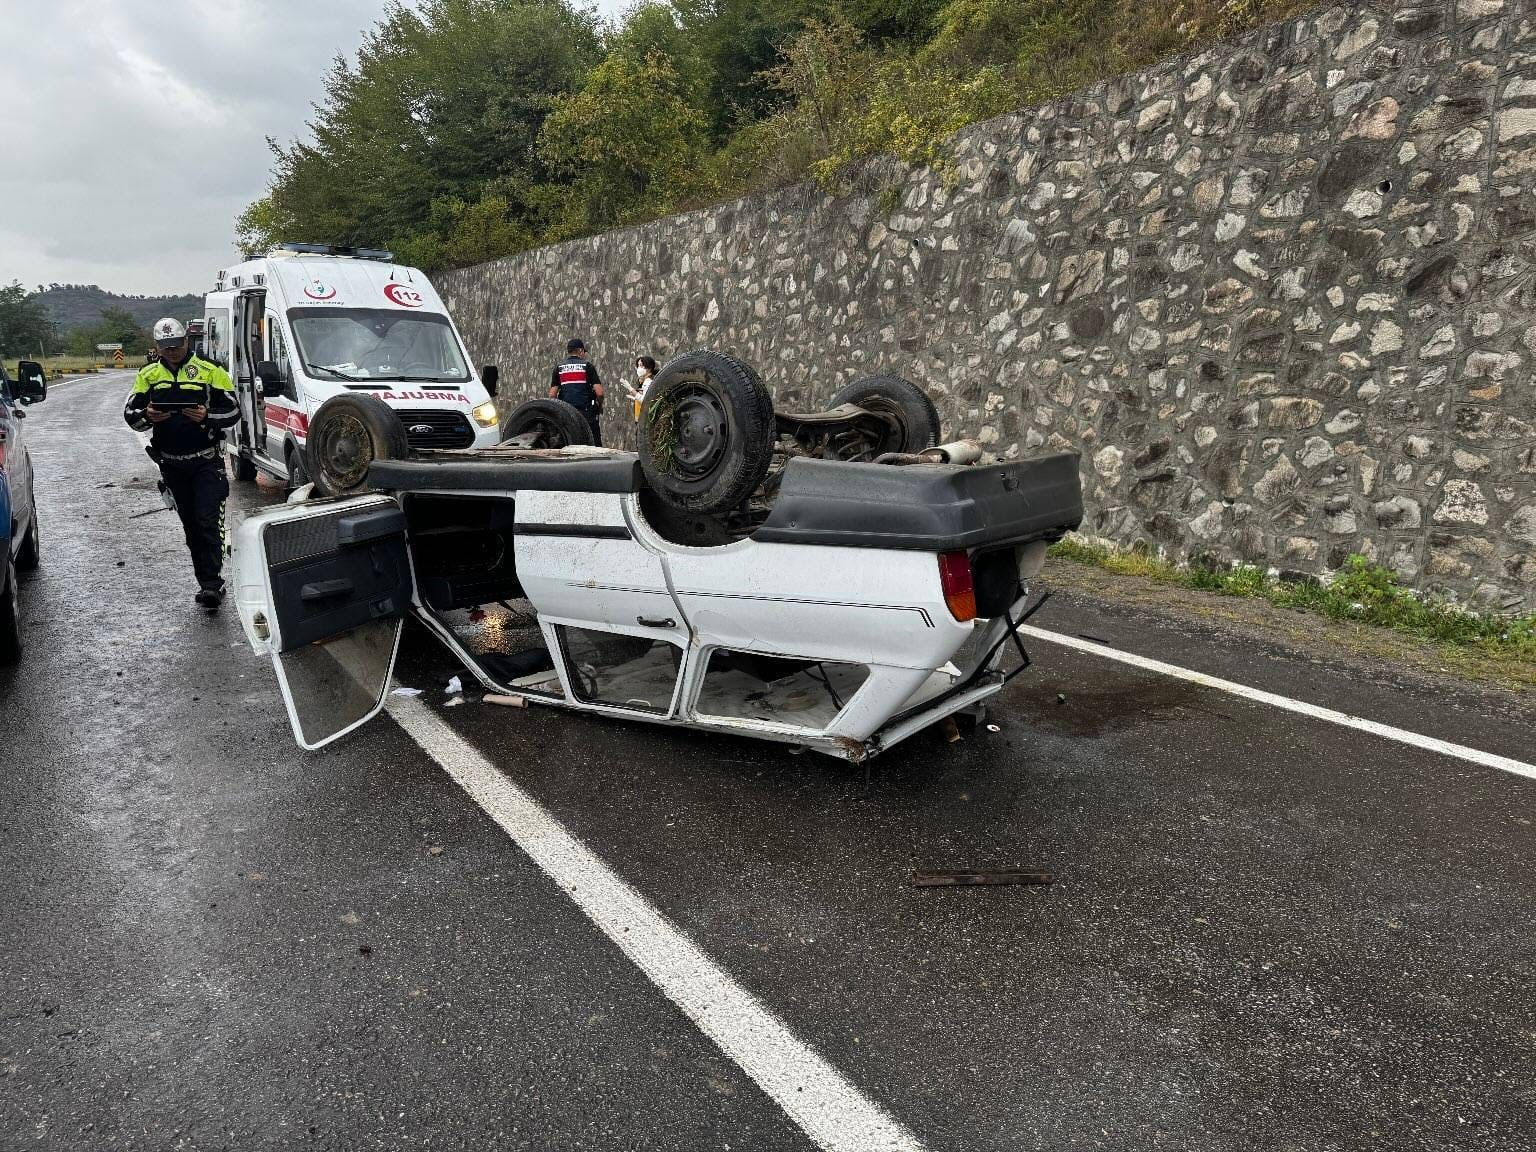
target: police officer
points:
(186, 403)
(575, 381)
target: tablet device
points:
(169, 401)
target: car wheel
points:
(347, 435)
(904, 403)
(708, 435)
(244, 469)
(31, 553)
(10, 619)
(554, 424)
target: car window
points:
(277, 347)
(377, 344)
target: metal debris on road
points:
(151, 512)
(922, 878)
(993, 728)
(504, 701)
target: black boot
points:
(210, 598)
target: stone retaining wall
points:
(1279, 294)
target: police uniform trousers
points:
(200, 487)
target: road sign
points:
(117, 358)
(109, 347)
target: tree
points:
(25, 326)
(442, 106)
(630, 143)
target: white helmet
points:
(169, 330)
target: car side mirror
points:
(490, 376)
(271, 378)
(31, 384)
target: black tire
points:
(898, 398)
(347, 435)
(245, 470)
(10, 616)
(298, 467)
(557, 423)
(31, 554)
(707, 440)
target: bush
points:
(1361, 591)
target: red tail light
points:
(959, 588)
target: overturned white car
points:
(808, 597)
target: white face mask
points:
(640, 371)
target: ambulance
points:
(310, 321)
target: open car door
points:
(324, 587)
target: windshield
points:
(377, 344)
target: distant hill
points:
(79, 305)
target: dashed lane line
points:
(1359, 723)
(815, 1095)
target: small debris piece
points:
(455, 702)
(364, 950)
(993, 728)
(455, 686)
(435, 850)
(1061, 697)
(504, 701)
(951, 730)
(476, 615)
(925, 878)
(406, 692)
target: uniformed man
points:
(186, 403)
(575, 381)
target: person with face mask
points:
(645, 372)
(186, 403)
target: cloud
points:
(133, 132)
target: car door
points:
(14, 463)
(323, 588)
(603, 601)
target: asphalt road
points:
(1266, 932)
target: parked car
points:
(843, 606)
(19, 532)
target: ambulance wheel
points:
(10, 618)
(903, 403)
(244, 469)
(347, 435)
(554, 424)
(708, 435)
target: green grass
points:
(1361, 591)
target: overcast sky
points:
(133, 132)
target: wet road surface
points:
(1265, 931)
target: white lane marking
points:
(815, 1095)
(1386, 731)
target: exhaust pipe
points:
(956, 452)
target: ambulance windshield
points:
(377, 344)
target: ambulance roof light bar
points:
(337, 250)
